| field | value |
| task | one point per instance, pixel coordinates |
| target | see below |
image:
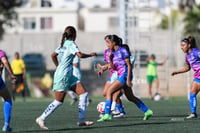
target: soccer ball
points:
(101, 107)
(157, 97)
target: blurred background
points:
(34, 29)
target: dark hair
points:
(153, 56)
(190, 40)
(69, 33)
(113, 38)
(126, 47)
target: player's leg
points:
(130, 96)
(195, 87)
(73, 96)
(59, 98)
(150, 80)
(156, 84)
(80, 90)
(7, 108)
(60, 93)
(116, 85)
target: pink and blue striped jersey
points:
(193, 59)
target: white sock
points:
(50, 109)
(72, 94)
(113, 106)
(82, 107)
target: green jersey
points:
(151, 68)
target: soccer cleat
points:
(6, 129)
(115, 112)
(191, 116)
(85, 123)
(147, 114)
(106, 117)
(73, 101)
(121, 115)
(40, 122)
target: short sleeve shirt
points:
(66, 54)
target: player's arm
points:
(83, 55)
(103, 68)
(8, 67)
(183, 70)
(127, 60)
(54, 58)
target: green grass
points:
(168, 118)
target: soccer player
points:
(152, 74)
(120, 61)
(19, 70)
(64, 78)
(188, 46)
(5, 93)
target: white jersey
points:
(65, 59)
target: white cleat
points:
(40, 122)
(85, 123)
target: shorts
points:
(151, 78)
(2, 84)
(65, 83)
(19, 79)
(196, 80)
(123, 79)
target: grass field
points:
(168, 118)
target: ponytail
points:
(69, 33)
(192, 42)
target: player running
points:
(188, 45)
(120, 61)
(5, 93)
(64, 78)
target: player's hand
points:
(100, 73)
(99, 65)
(173, 73)
(14, 79)
(93, 54)
(129, 84)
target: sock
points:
(120, 108)
(193, 102)
(50, 109)
(113, 106)
(7, 111)
(108, 106)
(142, 106)
(72, 95)
(82, 106)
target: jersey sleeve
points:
(186, 60)
(74, 48)
(57, 50)
(106, 57)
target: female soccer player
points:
(188, 46)
(120, 61)
(64, 78)
(5, 93)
